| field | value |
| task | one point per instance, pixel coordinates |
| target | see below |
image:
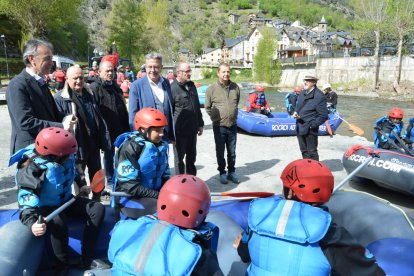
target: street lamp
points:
(5, 54)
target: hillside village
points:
(292, 38)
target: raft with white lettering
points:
(391, 170)
(278, 123)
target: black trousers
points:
(91, 212)
(185, 147)
(145, 206)
(308, 145)
(92, 161)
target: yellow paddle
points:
(354, 128)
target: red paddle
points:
(243, 194)
(236, 194)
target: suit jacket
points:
(141, 96)
(31, 109)
(312, 110)
(64, 100)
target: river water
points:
(359, 111)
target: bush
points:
(207, 73)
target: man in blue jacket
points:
(310, 113)
(152, 91)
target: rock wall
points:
(343, 70)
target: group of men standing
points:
(96, 113)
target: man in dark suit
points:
(30, 103)
(188, 120)
(310, 113)
(152, 91)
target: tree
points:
(93, 15)
(157, 27)
(374, 13)
(265, 67)
(35, 17)
(126, 29)
(401, 14)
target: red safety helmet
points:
(184, 200)
(298, 89)
(396, 112)
(111, 58)
(149, 117)
(311, 180)
(259, 88)
(55, 141)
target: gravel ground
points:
(260, 160)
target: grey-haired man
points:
(29, 101)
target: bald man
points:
(91, 131)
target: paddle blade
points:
(328, 128)
(244, 194)
(98, 181)
(356, 130)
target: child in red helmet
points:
(390, 126)
(294, 235)
(141, 164)
(257, 101)
(175, 241)
(44, 177)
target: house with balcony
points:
(210, 56)
(233, 50)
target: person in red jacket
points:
(59, 76)
(257, 101)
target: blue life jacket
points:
(409, 132)
(285, 236)
(397, 129)
(260, 101)
(288, 105)
(149, 246)
(152, 163)
(56, 188)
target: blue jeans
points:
(225, 138)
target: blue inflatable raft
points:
(278, 124)
(202, 94)
(362, 214)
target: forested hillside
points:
(79, 27)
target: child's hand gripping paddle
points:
(97, 185)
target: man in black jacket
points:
(310, 113)
(111, 103)
(30, 103)
(90, 132)
(187, 118)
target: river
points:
(360, 111)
